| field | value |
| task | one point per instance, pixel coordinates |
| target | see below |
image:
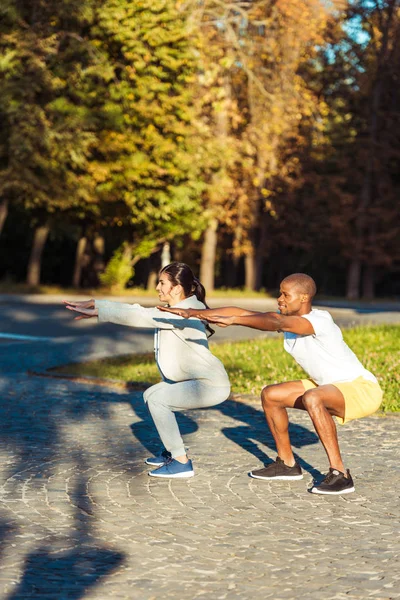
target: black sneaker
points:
(335, 483)
(278, 470)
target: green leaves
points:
(150, 163)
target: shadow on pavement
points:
(53, 573)
(255, 432)
(34, 413)
(67, 575)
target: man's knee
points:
(312, 400)
(270, 395)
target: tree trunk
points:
(35, 259)
(353, 279)
(165, 255)
(3, 213)
(152, 280)
(368, 283)
(98, 261)
(208, 254)
(261, 253)
(210, 240)
(250, 270)
(79, 261)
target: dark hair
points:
(181, 274)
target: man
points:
(338, 384)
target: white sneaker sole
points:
(346, 491)
(174, 476)
(281, 477)
(154, 464)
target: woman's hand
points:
(84, 313)
(81, 304)
(182, 312)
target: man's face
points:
(290, 300)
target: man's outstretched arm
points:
(268, 321)
(207, 313)
(233, 315)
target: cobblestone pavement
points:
(80, 518)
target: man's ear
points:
(304, 298)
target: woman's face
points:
(171, 294)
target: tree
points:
(46, 132)
(375, 226)
(259, 48)
(355, 168)
(147, 161)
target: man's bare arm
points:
(267, 321)
(207, 313)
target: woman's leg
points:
(164, 399)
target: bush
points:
(119, 269)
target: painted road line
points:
(29, 338)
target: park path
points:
(80, 518)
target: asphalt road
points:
(43, 318)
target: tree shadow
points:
(34, 412)
(68, 575)
(6, 531)
(255, 432)
(54, 574)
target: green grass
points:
(253, 364)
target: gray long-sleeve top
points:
(180, 345)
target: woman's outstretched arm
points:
(85, 309)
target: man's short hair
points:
(303, 282)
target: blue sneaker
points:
(159, 460)
(174, 469)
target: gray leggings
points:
(165, 398)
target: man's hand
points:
(219, 320)
(182, 312)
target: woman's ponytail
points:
(200, 292)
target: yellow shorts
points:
(361, 397)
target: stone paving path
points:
(80, 518)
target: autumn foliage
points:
(256, 138)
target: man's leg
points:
(275, 400)
(320, 402)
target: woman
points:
(192, 377)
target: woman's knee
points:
(153, 401)
(156, 392)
